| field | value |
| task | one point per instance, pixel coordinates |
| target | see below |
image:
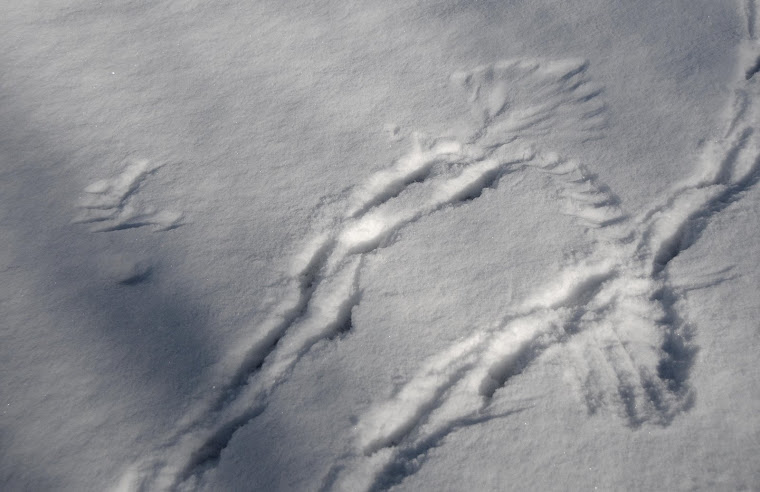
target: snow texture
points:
(265, 337)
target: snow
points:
(429, 245)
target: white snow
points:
(427, 245)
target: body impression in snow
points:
(616, 311)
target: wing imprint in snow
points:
(616, 312)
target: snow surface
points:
(429, 245)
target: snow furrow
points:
(324, 288)
(751, 14)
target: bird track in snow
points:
(110, 204)
(616, 311)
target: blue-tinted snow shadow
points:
(144, 341)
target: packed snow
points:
(360, 246)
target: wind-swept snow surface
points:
(455, 246)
